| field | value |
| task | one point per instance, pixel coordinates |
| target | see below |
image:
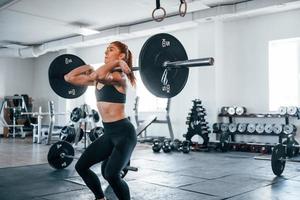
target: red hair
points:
(128, 59)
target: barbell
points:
(61, 154)
(163, 67)
(280, 156)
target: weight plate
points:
(276, 160)
(232, 127)
(242, 127)
(251, 128)
(155, 52)
(239, 110)
(269, 128)
(260, 128)
(55, 158)
(231, 110)
(59, 67)
(277, 128)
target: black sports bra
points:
(109, 93)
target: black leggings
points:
(114, 147)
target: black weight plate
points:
(224, 142)
(67, 133)
(54, 155)
(60, 66)
(277, 164)
(96, 116)
(96, 133)
(157, 50)
(125, 170)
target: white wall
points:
(245, 60)
(16, 76)
(246, 57)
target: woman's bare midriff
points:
(111, 112)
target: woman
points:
(115, 147)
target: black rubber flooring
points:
(174, 176)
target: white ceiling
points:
(32, 22)
(36, 22)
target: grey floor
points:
(25, 174)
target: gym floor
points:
(25, 174)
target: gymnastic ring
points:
(159, 19)
(182, 8)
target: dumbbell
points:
(186, 146)
(177, 145)
(166, 146)
(156, 145)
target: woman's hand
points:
(125, 68)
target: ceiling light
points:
(87, 31)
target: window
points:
(284, 58)
(89, 95)
(147, 101)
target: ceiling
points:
(30, 23)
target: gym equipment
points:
(269, 128)
(291, 149)
(95, 133)
(157, 8)
(239, 110)
(231, 110)
(292, 110)
(251, 128)
(197, 124)
(232, 127)
(37, 132)
(167, 147)
(182, 10)
(15, 104)
(277, 128)
(164, 68)
(260, 128)
(279, 158)
(61, 155)
(176, 145)
(282, 110)
(68, 134)
(156, 145)
(242, 127)
(280, 155)
(79, 113)
(186, 146)
(59, 67)
(154, 119)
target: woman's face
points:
(112, 53)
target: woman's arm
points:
(106, 74)
(80, 76)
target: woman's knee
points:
(111, 176)
(80, 168)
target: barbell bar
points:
(163, 66)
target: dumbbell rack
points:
(197, 124)
(280, 136)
